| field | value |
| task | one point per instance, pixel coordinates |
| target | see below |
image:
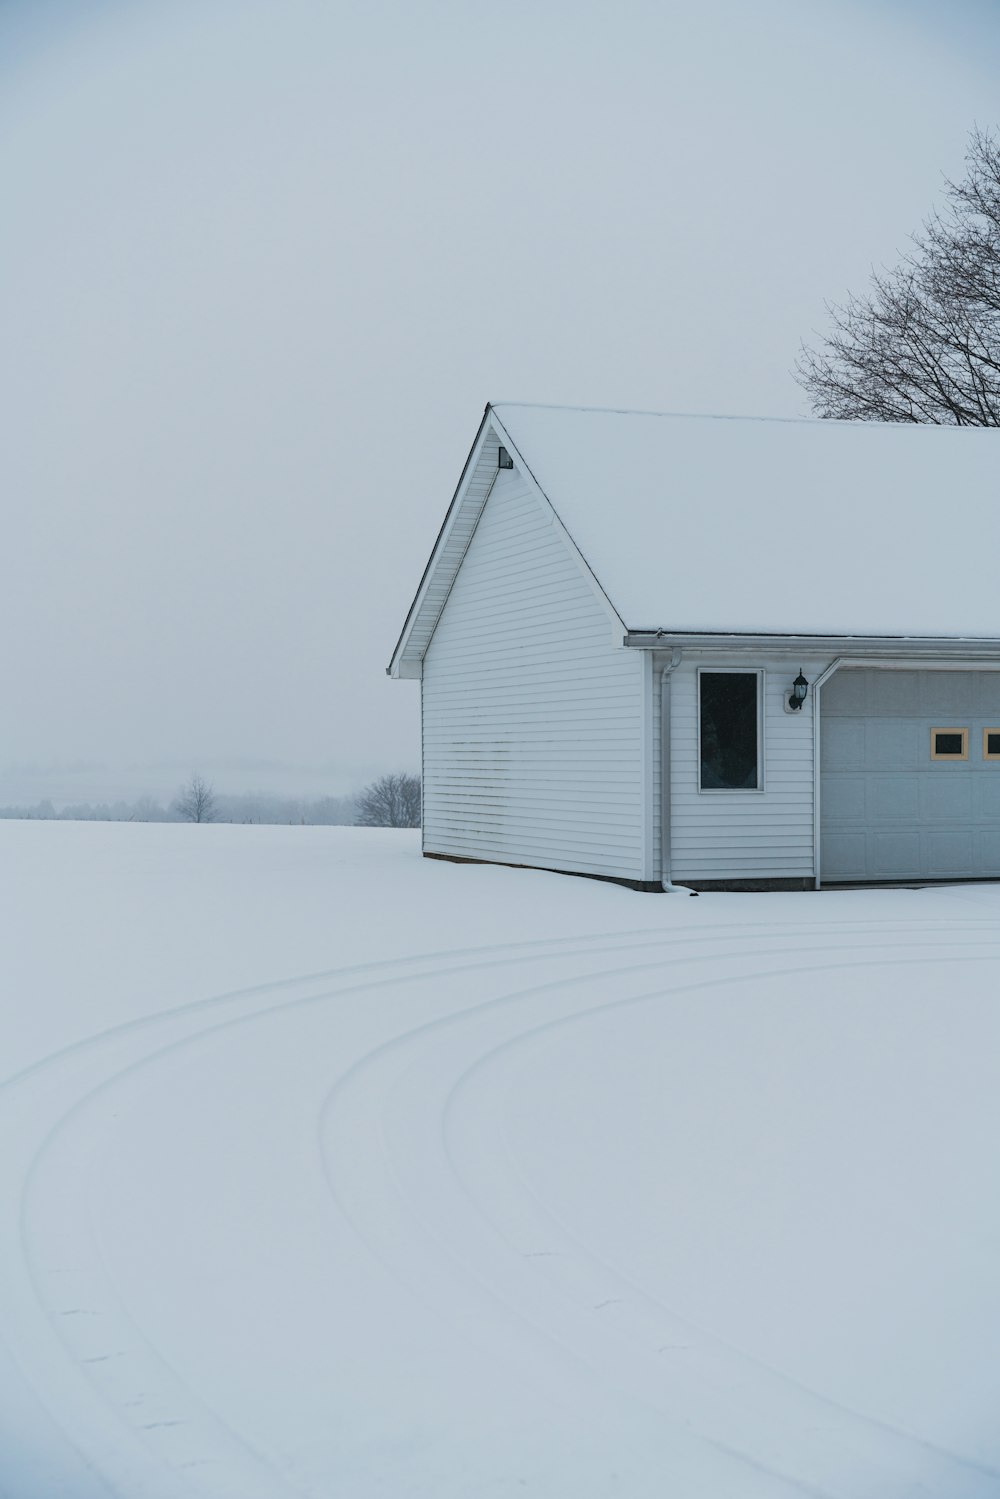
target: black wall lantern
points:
(797, 696)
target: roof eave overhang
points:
(970, 647)
(401, 664)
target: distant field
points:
(331, 1171)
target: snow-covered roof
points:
(701, 523)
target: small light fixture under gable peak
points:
(504, 460)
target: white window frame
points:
(732, 671)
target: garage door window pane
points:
(991, 744)
(949, 744)
(730, 759)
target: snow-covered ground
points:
(328, 1171)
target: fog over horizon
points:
(263, 266)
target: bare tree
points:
(196, 801)
(923, 344)
(390, 802)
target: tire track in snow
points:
(471, 1086)
(55, 1381)
(382, 1242)
(499, 952)
(187, 1018)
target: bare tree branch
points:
(923, 344)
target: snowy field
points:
(332, 1172)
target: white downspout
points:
(665, 880)
(824, 676)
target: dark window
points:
(993, 743)
(729, 731)
(949, 744)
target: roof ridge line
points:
(713, 416)
(702, 416)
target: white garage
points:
(713, 652)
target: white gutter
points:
(859, 647)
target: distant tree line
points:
(389, 801)
(248, 807)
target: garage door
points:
(910, 775)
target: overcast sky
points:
(263, 264)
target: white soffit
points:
(694, 523)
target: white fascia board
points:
(396, 667)
(614, 618)
(864, 650)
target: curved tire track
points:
(489, 1266)
(83, 1378)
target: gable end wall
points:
(532, 713)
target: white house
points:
(616, 611)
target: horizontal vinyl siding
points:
(744, 835)
(532, 714)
